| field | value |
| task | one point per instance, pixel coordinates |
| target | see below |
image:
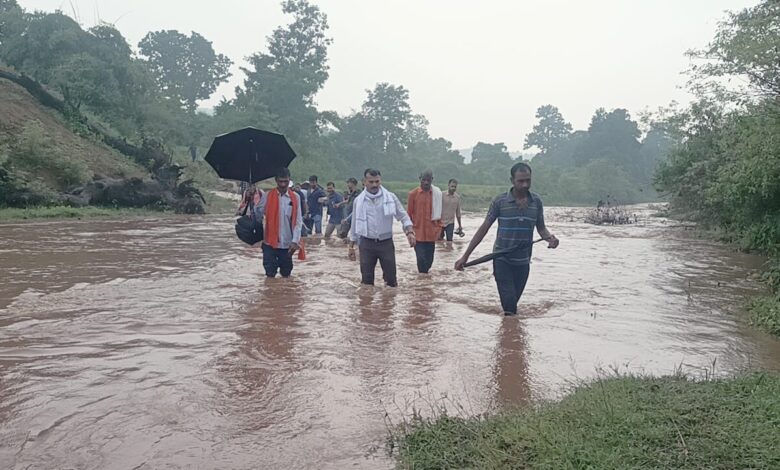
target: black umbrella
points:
(500, 253)
(249, 154)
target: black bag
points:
(248, 228)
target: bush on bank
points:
(614, 423)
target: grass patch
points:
(613, 423)
(218, 205)
(68, 212)
(214, 205)
(765, 313)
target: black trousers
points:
(372, 251)
(449, 231)
(277, 260)
(424, 252)
(510, 280)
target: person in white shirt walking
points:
(372, 229)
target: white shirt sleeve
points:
(401, 215)
(296, 236)
(260, 209)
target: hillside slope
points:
(22, 116)
(44, 162)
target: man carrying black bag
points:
(249, 227)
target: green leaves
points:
(550, 132)
(186, 68)
(746, 45)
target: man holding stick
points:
(518, 212)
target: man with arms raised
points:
(372, 229)
(518, 212)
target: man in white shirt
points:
(372, 229)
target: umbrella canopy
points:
(249, 154)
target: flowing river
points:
(158, 343)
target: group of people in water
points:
(365, 219)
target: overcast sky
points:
(476, 69)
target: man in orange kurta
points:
(420, 209)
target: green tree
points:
(612, 136)
(11, 21)
(388, 117)
(46, 41)
(83, 78)
(186, 68)
(747, 45)
(550, 132)
(490, 153)
(284, 80)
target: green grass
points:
(765, 313)
(67, 212)
(218, 205)
(613, 423)
(214, 205)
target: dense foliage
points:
(725, 170)
(153, 93)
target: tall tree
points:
(551, 130)
(490, 153)
(388, 116)
(285, 79)
(8, 5)
(46, 41)
(747, 44)
(12, 19)
(186, 68)
(613, 136)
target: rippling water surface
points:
(159, 343)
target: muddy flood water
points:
(154, 343)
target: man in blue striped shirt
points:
(519, 212)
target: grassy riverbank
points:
(67, 212)
(765, 310)
(214, 205)
(624, 422)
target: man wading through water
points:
(283, 221)
(518, 211)
(424, 208)
(372, 229)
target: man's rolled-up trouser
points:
(510, 280)
(317, 218)
(372, 251)
(277, 259)
(449, 231)
(425, 252)
(330, 228)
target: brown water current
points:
(145, 344)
